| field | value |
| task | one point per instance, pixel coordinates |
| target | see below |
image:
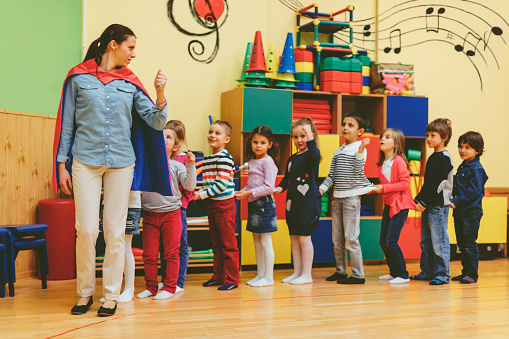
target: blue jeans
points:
(183, 250)
(435, 247)
(467, 229)
(389, 236)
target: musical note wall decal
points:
(394, 35)
(433, 21)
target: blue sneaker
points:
(227, 287)
(437, 282)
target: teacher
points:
(108, 133)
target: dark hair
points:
(442, 127)
(97, 48)
(266, 132)
(224, 124)
(474, 140)
(178, 127)
(399, 145)
(361, 119)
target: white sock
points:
(163, 295)
(297, 259)
(255, 279)
(126, 296)
(144, 294)
(264, 281)
(179, 289)
(399, 280)
(102, 300)
(303, 279)
(160, 286)
(386, 277)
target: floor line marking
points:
(98, 322)
(308, 296)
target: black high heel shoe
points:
(82, 309)
(106, 312)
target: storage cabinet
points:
(245, 108)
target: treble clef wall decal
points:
(211, 15)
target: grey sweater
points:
(179, 174)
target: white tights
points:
(264, 260)
(302, 252)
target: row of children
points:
(164, 217)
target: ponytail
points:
(97, 48)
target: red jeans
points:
(165, 226)
(221, 214)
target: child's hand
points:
(364, 143)
(452, 205)
(321, 191)
(196, 196)
(190, 158)
(419, 208)
(379, 189)
(306, 129)
(160, 81)
(240, 195)
(278, 190)
(64, 179)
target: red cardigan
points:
(396, 193)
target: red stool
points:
(59, 215)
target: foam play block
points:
(323, 131)
(333, 63)
(304, 77)
(328, 144)
(304, 67)
(317, 108)
(365, 81)
(356, 77)
(337, 87)
(303, 55)
(313, 116)
(366, 90)
(333, 76)
(304, 86)
(356, 88)
(310, 102)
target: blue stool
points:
(6, 272)
(28, 237)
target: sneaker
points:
(467, 280)
(399, 280)
(211, 282)
(419, 276)
(458, 277)
(437, 282)
(386, 277)
(227, 287)
(336, 276)
(352, 281)
(179, 289)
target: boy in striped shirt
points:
(347, 178)
(217, 190)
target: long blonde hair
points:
(399, 145)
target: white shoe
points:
(386, 277)
(144, 294)
(399, 280)
(179, 289)
(163, 295)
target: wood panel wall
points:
(25, 173)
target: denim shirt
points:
(468, 188)
(100, 117)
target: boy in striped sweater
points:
(347, 177)
(218, 189)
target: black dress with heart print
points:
(303, 199)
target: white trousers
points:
(87, 183)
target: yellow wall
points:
(445, 76)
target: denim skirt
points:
(261, 215)
(132, 224)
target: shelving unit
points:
(246, 108)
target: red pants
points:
(165, 226)
(221, 214)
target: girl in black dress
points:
(303, 199)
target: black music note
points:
(367, 30)
(396, 35)
(494, 30)
(434, 25)
(469, 38)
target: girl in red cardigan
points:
(395, 189)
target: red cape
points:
(151, 168)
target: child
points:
(468, 192)
(218, 188)
(395, 189)
(303, 207)
(262, 218)
(180, 136)
(162, 221)
(347, 176)
(433, 201)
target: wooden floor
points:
(321, 309)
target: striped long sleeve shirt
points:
(218, 170)
(347, 172)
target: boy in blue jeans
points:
(433, 201)
(468, 192)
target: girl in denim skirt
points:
(262, 219)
